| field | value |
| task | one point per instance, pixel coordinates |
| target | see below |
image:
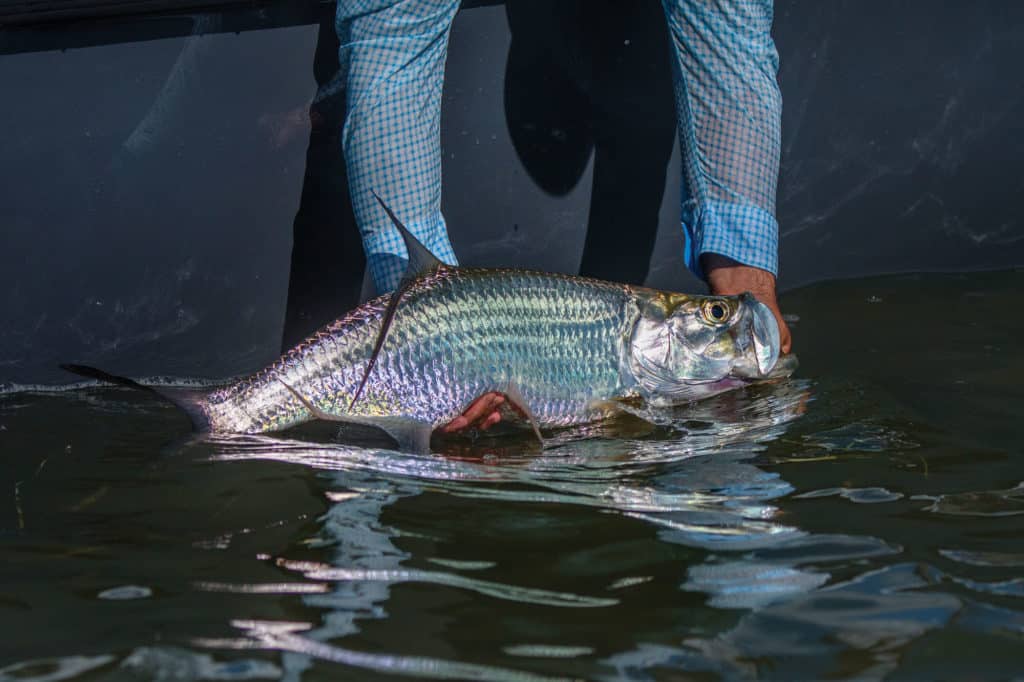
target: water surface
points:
(863, 519)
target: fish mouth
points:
(758, 338)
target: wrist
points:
(728, 277)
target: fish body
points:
(568, 347)
(457, 334)
(564, 350)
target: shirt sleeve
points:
(392, 59)
(729, 111)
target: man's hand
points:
(726, 277)
(482, 413)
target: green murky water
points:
(863, 520)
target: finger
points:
(483, 406)
(456, 424)
(786, 343)
(477, 410)
(492, 419)
(785, 337)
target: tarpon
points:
(564, 350)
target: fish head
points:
(686, 347)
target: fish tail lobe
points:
(190, 401)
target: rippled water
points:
(862, 520)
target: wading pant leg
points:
(729, 111)
(392, 59)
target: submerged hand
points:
(482, 414)
(726, 277)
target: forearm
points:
(729, 111)
(393, 57)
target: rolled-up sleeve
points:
(729, 109)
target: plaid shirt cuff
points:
(747, 234)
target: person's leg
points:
(545, 111)
(625, 71)
(327, 264)
(729, 110)
(392, 59)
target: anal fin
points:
(411, 435)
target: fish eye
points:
(716, 312)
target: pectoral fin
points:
(313, 409)
(620, 406)
(516, 399)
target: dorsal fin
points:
(421, 262)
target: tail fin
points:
(191, 402)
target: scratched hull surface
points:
(458, 333)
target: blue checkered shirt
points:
(727, 101)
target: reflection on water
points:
(690, 478)
(804, 634)
(847, 523)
